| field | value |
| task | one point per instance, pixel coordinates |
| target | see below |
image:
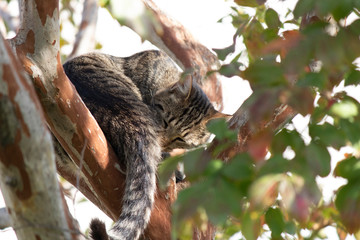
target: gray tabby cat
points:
(143, 107)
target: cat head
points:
(184, 110)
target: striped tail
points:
(138, 197)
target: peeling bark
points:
(27, 167)
(66, 114)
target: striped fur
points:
(143, 108)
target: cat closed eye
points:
(179, 139)
(159, 107)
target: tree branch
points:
(27, 166)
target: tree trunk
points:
(27, 161)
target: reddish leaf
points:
(291, 40)
(300, 208)
(259, 144)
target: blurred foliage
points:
(278, 196)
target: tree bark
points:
(27, 167)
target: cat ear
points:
(185, 85)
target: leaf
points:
(230, 70)
(224, 52)
(193, 165)
(290, 227)
(220, 128)
(348, 168)
(287, 138)
(225, 200)
(214, 167)
(318, 159)
(275, 221)
(306, 105)
(348, 203)
(265, 74)
(328, 135)
(343, 9)
(300, 208)
(276, 164)
(353, 78)
(264, 191)
(272, 19)
(259, 144)
(250, 225)
(167, 168)
(253, 38)
(303, 6)
(240, 168)
(190, 199)
(247, 3)
(344, 109)
(351, 130)
(313, 79)
(355, 27)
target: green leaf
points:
(351, 130)
(254, 38)
(326, 7)
(189, 200)
(290, 228)
(348, 168)
(275, 221)
(344, 109)
(167, 168)
(230, 70)
(272, 19)
(247, 3)
(348, 203)
(248, 228)
(220, 128)
(225, 201)
(353, 78)
(303, 6)
(270, 34)
(276, 164)
(313, 79)
(224, 52)
(264, 74)
(240, 168)
(355, 26)
(213, 167)
(328, 135)
(343, 9)
(318, 158)
(286, 138)
(193, 164)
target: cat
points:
(144, 107)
